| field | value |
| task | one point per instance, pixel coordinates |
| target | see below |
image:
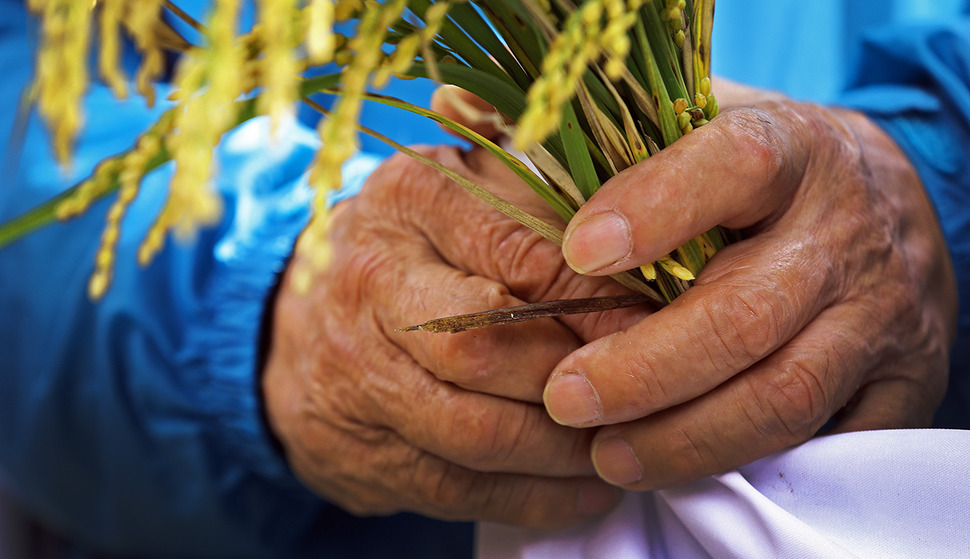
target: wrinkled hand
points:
(451, 426)
(839, 304)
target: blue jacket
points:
(133, 427)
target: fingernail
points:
(598, 242)
(616, 463)
(571, 400)
(596, 498)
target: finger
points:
(377, 471)
(899, 402)
(470, 236)
(736, 171)
(368, 385)
(533, 268)
(405, 281)
(345, 403)
(478, 431)
(541, 503)
(782, 401)
(743, 307)
(905, 395)
(412, 480)
(512, 360)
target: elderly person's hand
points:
(451, 426)
(838, 308)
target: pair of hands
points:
(838, 306)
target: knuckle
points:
(650, 392)
(456, 493)
(454, 359)
(362, 269)
(743, 327)
(503, 250)
(468, 359)
(486, 441)
(795, 402)
(726, 347)
(691, 455)
(526, 506)
(402, 177)
(752, 132)
(522, 503)
(642, 382)
(474, 438)
(413, 480)
(518, 250)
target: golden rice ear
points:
(209, 83)
(279, 31)
(338, 132)
(61, 75)
(319, 17)
(141, 21)
(109, 27)
(590, 89)
(596, 29)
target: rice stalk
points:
(587, 89)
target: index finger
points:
(740, 311)
(736, 171)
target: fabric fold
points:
(874, 494)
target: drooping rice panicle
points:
(61, 70)
(582, 41)
(109, 27)
(106, 174)
(587, 87)
(209, 81)
(702, 27)
(338, 132)
(319, 17)
(140, 20)
(130, 169)
(370, 65)
(279, 34)
(81, 198)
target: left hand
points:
(450, 426)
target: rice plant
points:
(584, 91)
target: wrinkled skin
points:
(448, 425)
(839, 305)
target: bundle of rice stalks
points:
(585, 91)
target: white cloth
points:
(873, 494)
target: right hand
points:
(838, 307)
(447, 425)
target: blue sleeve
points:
(118, 413)
(132, 426)
(914, 81)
